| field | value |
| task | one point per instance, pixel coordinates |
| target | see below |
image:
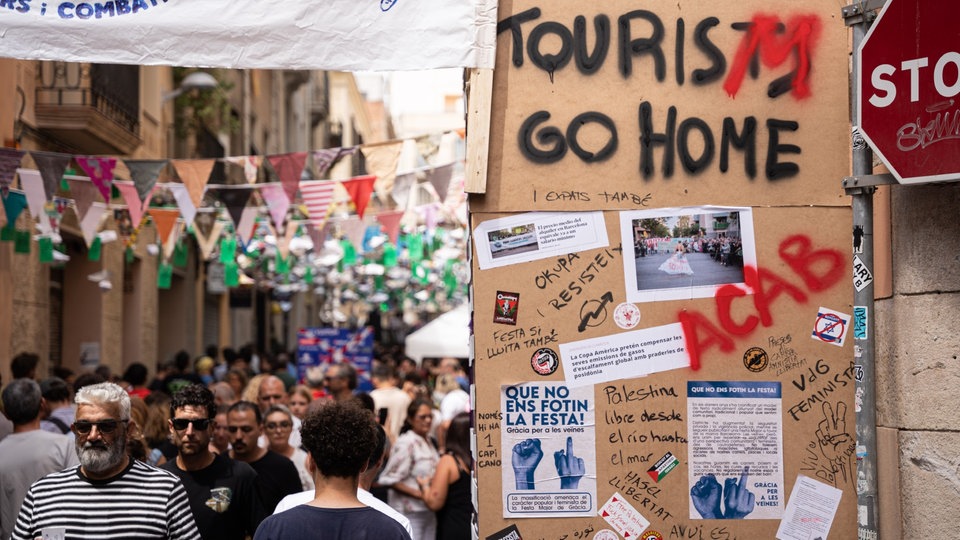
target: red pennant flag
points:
(289, 167)
(359, 188)
(391, 223)
(100, 171)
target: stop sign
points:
(907, 89)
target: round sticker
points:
(626, 315)
(545, 361)
(755, 359)
(651, 535)
(606, 534)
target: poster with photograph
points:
(735, 449)
(537, 235)
(683, 253)
(548, 420)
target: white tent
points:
(447, 335)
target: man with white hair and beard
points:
(108, 494)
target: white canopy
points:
(346, 35)
(447, 335)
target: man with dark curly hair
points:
(338, 439)
(223, 492)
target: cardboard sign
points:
(707, 140)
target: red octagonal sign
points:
(907, 89)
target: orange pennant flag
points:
(194, 173)
(164, 219)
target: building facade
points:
(131, 112)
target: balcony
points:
(94, 108)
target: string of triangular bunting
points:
(92, 195)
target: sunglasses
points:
(245, 429)
(84, 427)
(281, 425)
(199, 424)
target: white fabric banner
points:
(346, 35)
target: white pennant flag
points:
(184, 202)
(92, 221)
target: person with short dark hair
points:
(87, 378)
(223, 492)
(270, 392)
(367, 477)
(108, 486)
(277, 476)
(338, 439)
(340, 380)
(57, 410)
(136, 378)
(24, 366)
(389, 397)
(29, 453)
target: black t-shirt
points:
(308, 522)
(277, 477)
(223, 497)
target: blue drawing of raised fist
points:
(569, 467)
(526, 456)
(707, 493)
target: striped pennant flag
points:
(317, 196)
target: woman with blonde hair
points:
(252, 391)
(299, 400)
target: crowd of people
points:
(235, 446)
(728, 251)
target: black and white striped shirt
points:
(141, 502)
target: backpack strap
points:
(61, 425)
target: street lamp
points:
(198, 80)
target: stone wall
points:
(918, 344)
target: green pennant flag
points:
(449, 279)
(45, 249)
(420, 273)
(128, 255)
(282, 265)
(21, 242)
(415, 247)
(164, 276)
(8, 233)
(231, 274)
(180, 254)
(308, 276)
(228, 248)
(389, 255)
(349, 252)
(96, 249)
